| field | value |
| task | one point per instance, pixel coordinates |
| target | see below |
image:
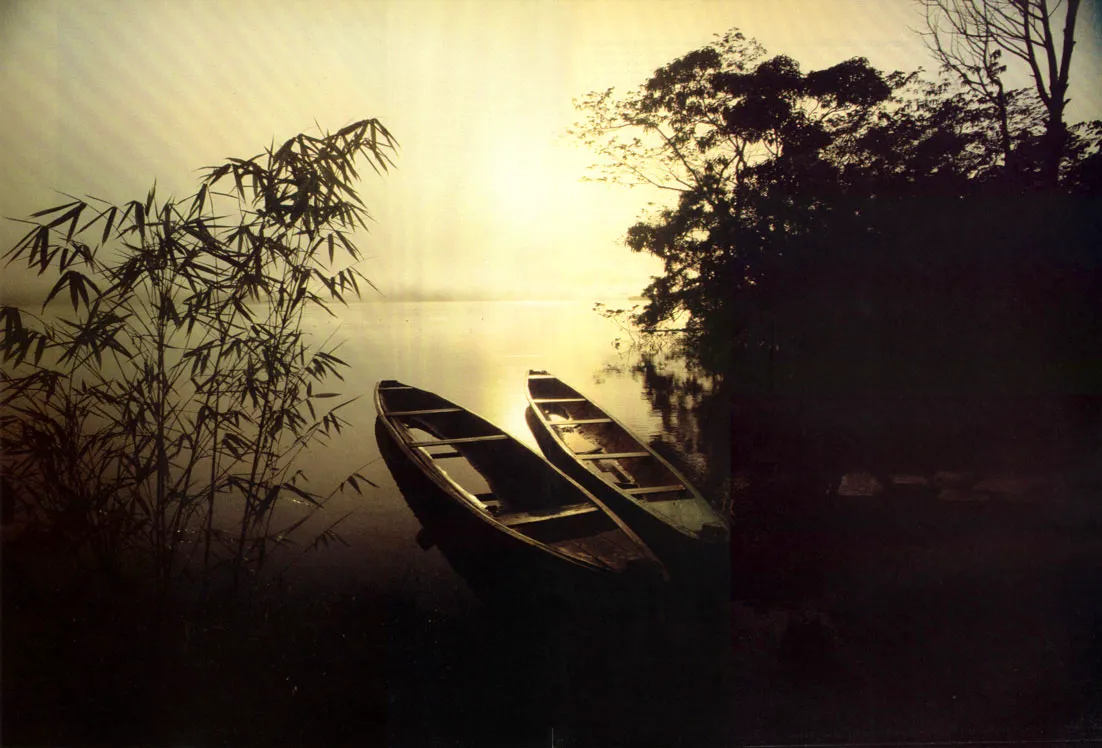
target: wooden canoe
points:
(622, 470)
(506, 487)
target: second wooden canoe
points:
(655, 499)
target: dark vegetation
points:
(182, 388)
(847, 230)
(889, 287)
(150, 440)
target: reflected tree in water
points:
(690, 399)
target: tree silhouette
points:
(841, 227)
(969, 38)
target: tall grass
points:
(182, 387)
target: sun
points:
(523, 182)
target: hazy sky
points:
(104, 96)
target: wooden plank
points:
(579, 421)
(398, 387)
(459, 440)
(611, 455)
(525, 518)
(545, 400)
(423, 412)
(542, 376)
(444, 455)
(653, 489)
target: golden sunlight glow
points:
(108, 97)
(521, 182)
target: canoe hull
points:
(660, 504)
(501, 571)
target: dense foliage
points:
(846, 228)
(162, 418)
(969, 38)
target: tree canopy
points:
(824, 221)
(969, 37)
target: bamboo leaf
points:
(237, 181)
(55, 209)
(307, 497)
(61, 283)
(265, 504)
(111, 213)
(13, 322)
(139, 219)
(353, 252)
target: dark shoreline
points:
(898, 614)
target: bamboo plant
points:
(181, 387)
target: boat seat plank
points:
(653, 489)
(579, 421)
(423, 411)
(611, 455)
(548, 400)
(395, 387)
(542, 376)
(445, 455)
(459, 440)
(526, 518)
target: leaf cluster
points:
(180, 389)
(797, 200)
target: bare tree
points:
(969, 38)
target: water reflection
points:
(693, 408)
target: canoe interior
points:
(630, 465)
(503, 479)
(617, 457)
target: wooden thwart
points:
(526, 518)
(611, 455)
(459, 440)
(423, 412)
(548, 400)
(445, 455)
(653, 489)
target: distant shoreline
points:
(494, 300)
